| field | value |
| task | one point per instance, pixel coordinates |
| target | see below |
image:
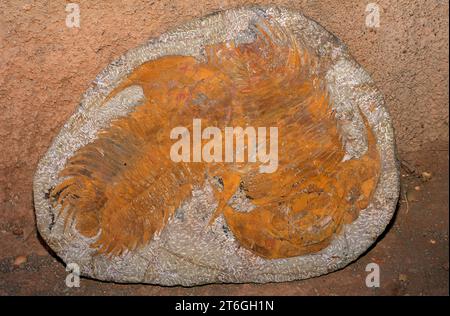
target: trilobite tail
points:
(122, 187)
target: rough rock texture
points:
(45, 67)
(184, 253)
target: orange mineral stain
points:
(124, 186)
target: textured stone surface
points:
(182, 254)
(45, 67)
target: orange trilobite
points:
(123, 187)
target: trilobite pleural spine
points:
(123, 188)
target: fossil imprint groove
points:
(110, 197)
(122, 188)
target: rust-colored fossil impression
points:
(123, 187)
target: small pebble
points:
(426, 176)
(417, 188)
(402, 277)
(20, 260)
(432, 241)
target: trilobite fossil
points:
(121, 189)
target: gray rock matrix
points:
(184, 253)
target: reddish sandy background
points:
(45, 67)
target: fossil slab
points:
(110, 197)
